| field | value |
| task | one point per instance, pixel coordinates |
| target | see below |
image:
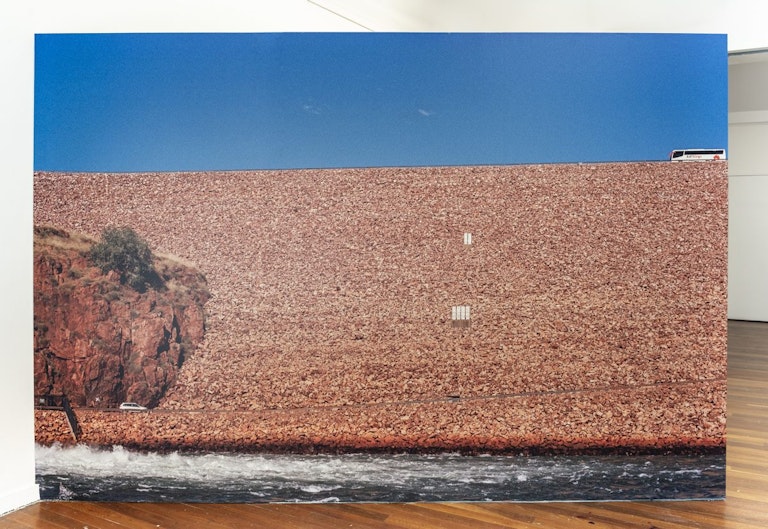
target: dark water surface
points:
(83, 473)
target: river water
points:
(83, 473)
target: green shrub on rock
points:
(123, 251)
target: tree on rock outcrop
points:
(97, 339)
(123, 251)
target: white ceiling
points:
(742, 20)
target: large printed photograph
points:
(340, 267)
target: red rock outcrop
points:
(100, 342)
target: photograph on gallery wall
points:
(361, 267)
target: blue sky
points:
(176, 102)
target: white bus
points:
(696, 155)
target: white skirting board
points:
(21, 497)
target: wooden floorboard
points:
(745, 506)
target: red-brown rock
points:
(99, 342)
(598, 297)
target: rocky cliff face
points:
(100, 342)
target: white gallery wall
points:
(748, 186)
(16, 423)
(742, 20)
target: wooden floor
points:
(746, 505)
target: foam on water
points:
(81, 472)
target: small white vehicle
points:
(132, 406)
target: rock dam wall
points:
(596, 294)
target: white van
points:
(132, 406)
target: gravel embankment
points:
(597, 295)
